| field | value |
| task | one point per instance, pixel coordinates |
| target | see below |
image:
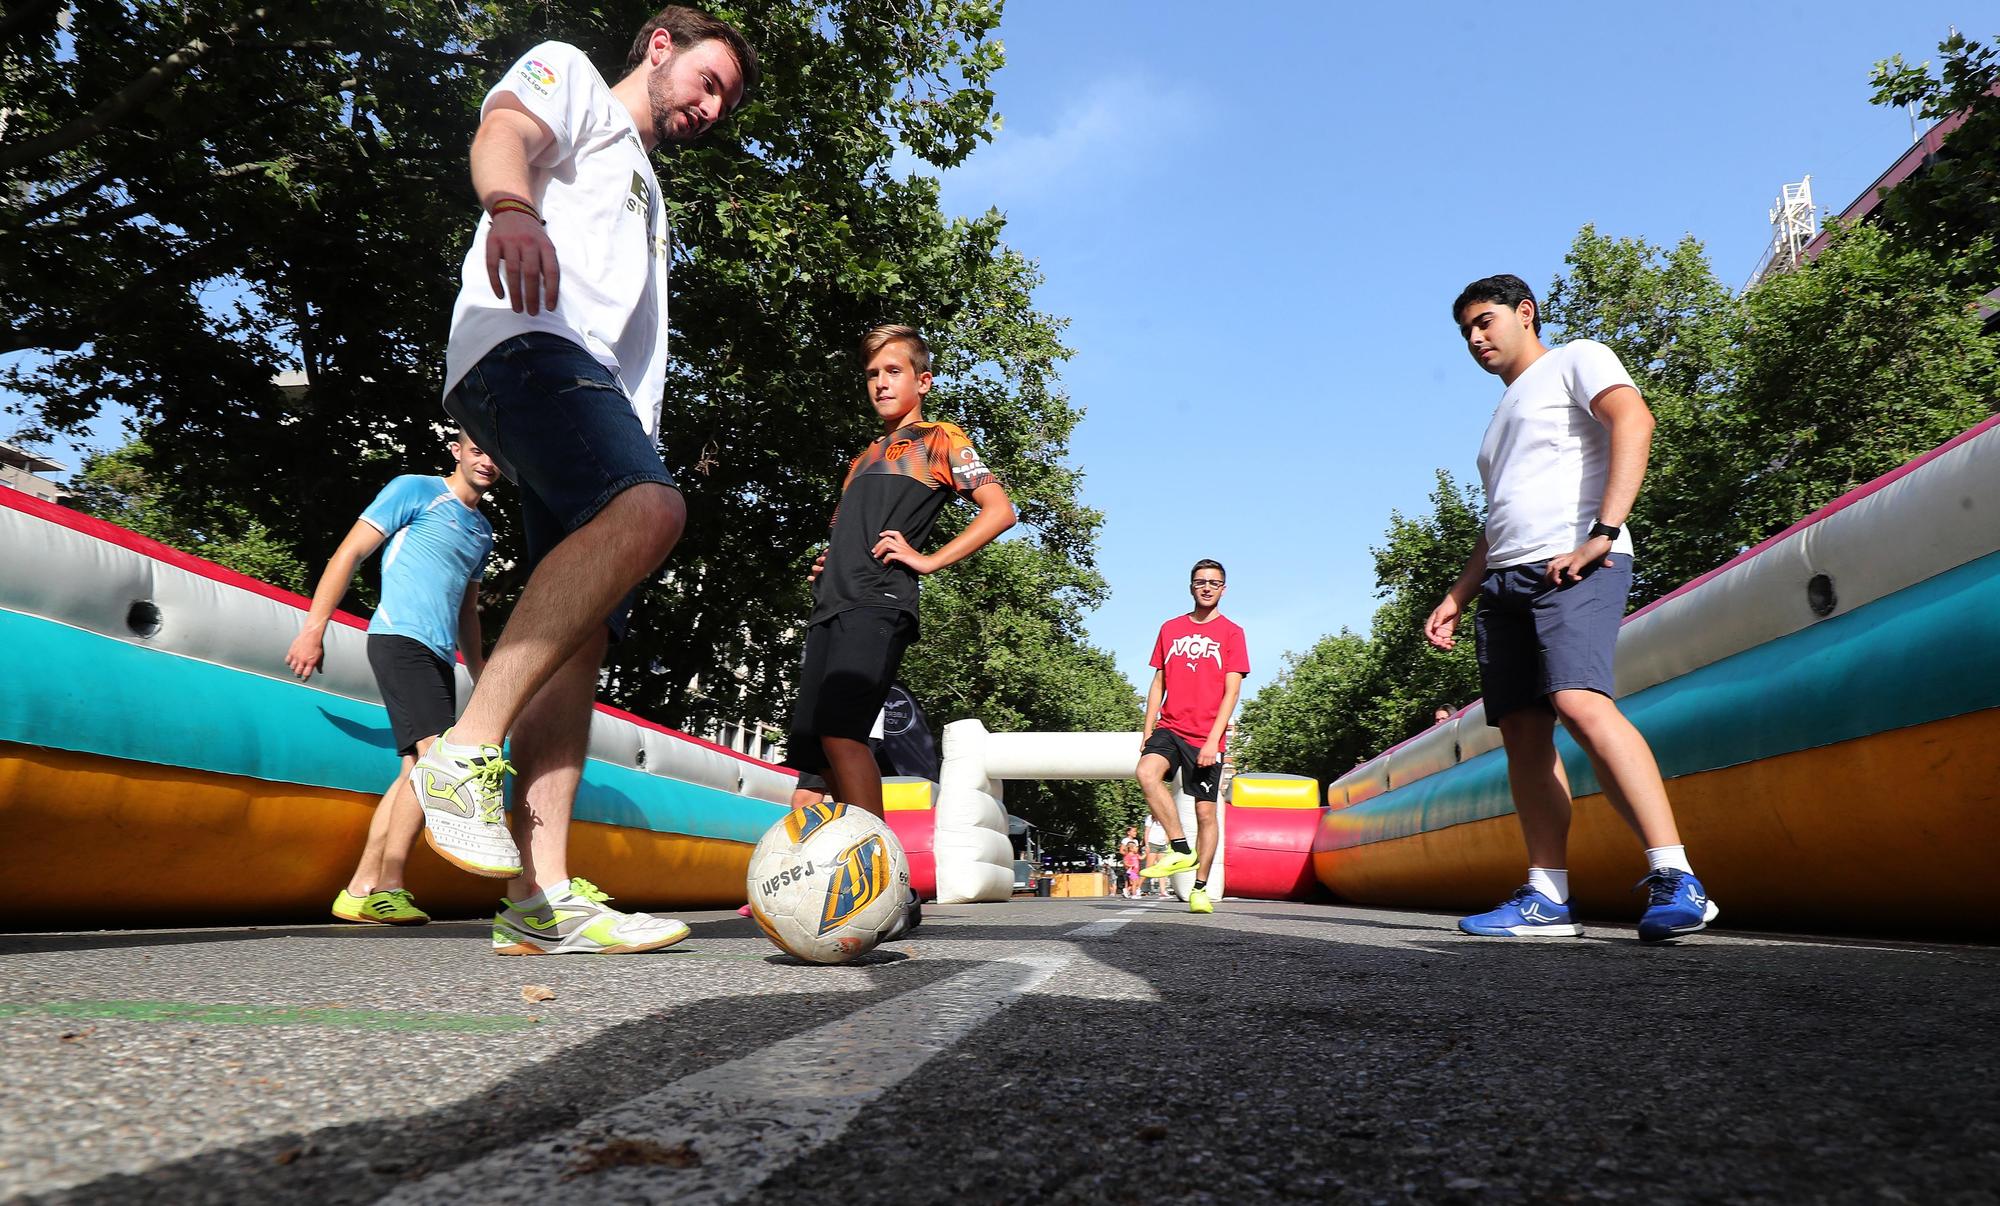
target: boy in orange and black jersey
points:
(865, 583)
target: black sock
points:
(1200, 885)
(1181, 846)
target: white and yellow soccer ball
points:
(827, 882)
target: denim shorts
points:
(561, 428)
(1536, 638)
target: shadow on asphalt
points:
(1192, 1062)
(111, 940)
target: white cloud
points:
(1113, 130)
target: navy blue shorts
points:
(1536, 638)
(561, 428)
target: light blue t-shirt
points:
(437, 545)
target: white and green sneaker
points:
(574, 920)
(462, 790)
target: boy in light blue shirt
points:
(436, 550)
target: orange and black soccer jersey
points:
(899, 484)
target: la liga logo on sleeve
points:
(539, 76)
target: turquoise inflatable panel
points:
(75, 690)
(1925, 653)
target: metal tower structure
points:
(1794, 223)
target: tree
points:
(115, 486)
(1868, 356)
(1014, 656)
(1675, 326)
(1303, 721)
(1954, 203)
(1350, 696)
(198, 195)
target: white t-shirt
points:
(1546, 456)
(1156, 833)
(597, 191)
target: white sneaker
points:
(462, 790)
(574, 920)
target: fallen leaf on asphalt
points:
(627, 1153)
(537, 992)
(73, 1035)
(1152, 1132)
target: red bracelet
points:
(513, 205)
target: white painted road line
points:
(1098, 929)
(750, 1117)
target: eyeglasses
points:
(1207, 584)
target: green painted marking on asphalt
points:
(266, 1015)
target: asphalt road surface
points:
(1042, 1050)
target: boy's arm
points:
(1211, 750)
(309, 647)
(996, 515)
(1155, 696)
(1441, 625)
(1624, 414)
(471, 642)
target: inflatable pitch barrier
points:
(1825, 708)
(160, 765)
(1268, 836)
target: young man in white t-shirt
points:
(556, 365)
(1561, 462)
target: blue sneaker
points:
(1676, 904)
(1527, 913)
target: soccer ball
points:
(827, 882)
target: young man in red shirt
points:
(1199, 660)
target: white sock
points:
(544, 896)
(1664, 858)
(1552, 882)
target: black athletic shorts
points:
(419, 688)
(1184, 759)
(851, 659)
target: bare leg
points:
(565, 603)
(1541, 789)
(1624, 764)
(1152, 777)
(1206, 831)
(550, 741)
(391, 832)
(852, 773)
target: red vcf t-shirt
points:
(1194, 659)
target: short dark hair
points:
(1506, 289)
(1205, 563)
(691, 27)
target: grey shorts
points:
(1536, 638)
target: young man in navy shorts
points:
(1561, 462)
(556, 365)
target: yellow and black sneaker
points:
(393, 907)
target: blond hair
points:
(881, 337)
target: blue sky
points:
(1256, 216)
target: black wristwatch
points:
(1605, 530)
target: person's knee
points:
(654, 515)
(1589, 716)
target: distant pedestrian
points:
(1128, 856)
